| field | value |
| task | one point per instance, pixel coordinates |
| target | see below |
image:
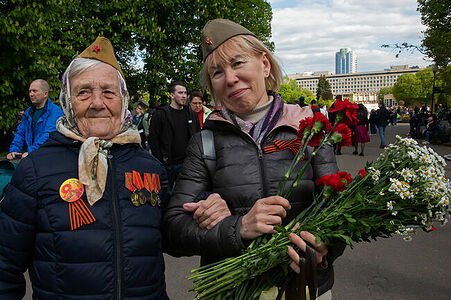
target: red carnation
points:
(348, 109)
(362, 173)
(316, 139)
(345, 133)
(337, 181)
(324, 180)
(307, 123)
(344, 175)
(319, 117)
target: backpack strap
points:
(208, 150)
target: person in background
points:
(433, 128)
(323, 109)
(82, 213)
(382, 120)
(37, 122)
(240, 73)
(170, 130)
(140, 121)
(196, 104)
(302, 101)
(372, 121)
(313, 106)
(361, 130)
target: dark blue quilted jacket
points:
(119, 256)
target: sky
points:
(308, 33)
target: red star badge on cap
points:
(208, 41)
(96, 48)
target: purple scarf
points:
(262, 128)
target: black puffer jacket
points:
(119, 256)
(244, 174)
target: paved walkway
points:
(385, 269)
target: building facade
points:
(345, 61)
(364, 87)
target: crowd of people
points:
(101, 193)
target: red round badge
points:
(71, 190)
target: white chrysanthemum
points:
(444, 202)
(407, 238)
(394, 213)
(390, 205)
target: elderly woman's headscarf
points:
(92, 159)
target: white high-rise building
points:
(345, 61)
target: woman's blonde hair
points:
(249, 45)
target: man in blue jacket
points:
(38, 121)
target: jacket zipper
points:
(116, 227)
(262, 171)
(260, 162)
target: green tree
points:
(290, 91)
(324, 91)
(414, 88)
(435, 14)
(155, 41)
(383, 91)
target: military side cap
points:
(217, 31)
(102, 50)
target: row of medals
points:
(138, 198)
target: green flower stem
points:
(294, 162)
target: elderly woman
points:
(82, 213)
(241, 74)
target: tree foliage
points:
(436, 15)
(324, 91)
(412, 88)
(155, 41)
(291, 92)
(383, 91)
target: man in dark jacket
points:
(82, 213)
(382, 119)
(171, 128)
(37, 122)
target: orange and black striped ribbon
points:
(79, 214)
(279, 145)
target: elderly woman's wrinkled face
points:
(96, 102)
(239, 83)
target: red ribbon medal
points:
(71, 191)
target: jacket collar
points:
(291, 116)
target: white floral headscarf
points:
(92, 159)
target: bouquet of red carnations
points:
(403, 190)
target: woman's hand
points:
(262, 217)
(300, 241)
(208, 212)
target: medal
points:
(134, 199)
(141, 197)
(135, 183)
(152, 199)
(71, 191)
